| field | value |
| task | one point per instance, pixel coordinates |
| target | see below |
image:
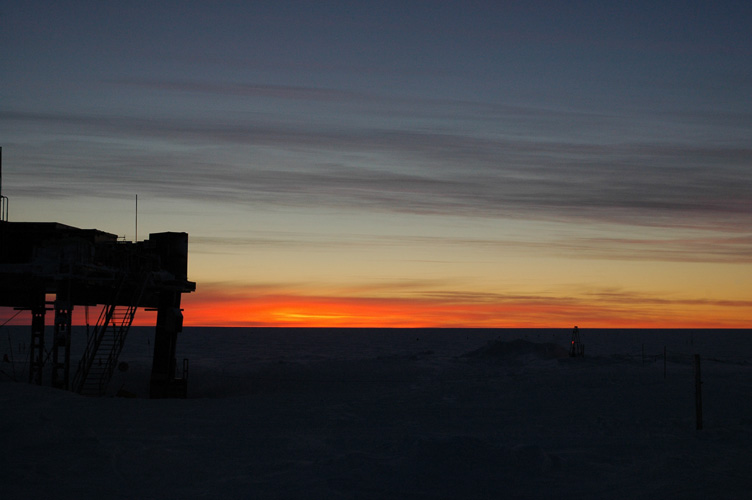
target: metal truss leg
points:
(61, 345)
(36, 351)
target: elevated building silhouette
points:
(47, 266)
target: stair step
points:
(110, 333)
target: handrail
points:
(120, 326)
(93, 342)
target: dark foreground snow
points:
(290, 414)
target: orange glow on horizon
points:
(215, 306)
(297, 310)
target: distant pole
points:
(664, 361)
(698, 393)
(136, 218)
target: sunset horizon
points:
(285, 310)
(382, 164)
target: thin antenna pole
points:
(136, 218)
(3, 199)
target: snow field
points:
(417, 417)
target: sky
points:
(406, 164)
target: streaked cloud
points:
(238, 89)
(411, 171)
(709, 247)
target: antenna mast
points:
(3, 199)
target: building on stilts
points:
(49, 269)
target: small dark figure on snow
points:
(577, 348)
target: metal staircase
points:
(106, 341)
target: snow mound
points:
(518, 350)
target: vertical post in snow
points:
(698, 393)
(664, 361)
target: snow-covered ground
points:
(393, 414)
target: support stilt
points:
(36, 350)
(61, 344)
(169, 324)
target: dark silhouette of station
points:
(47, 266)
